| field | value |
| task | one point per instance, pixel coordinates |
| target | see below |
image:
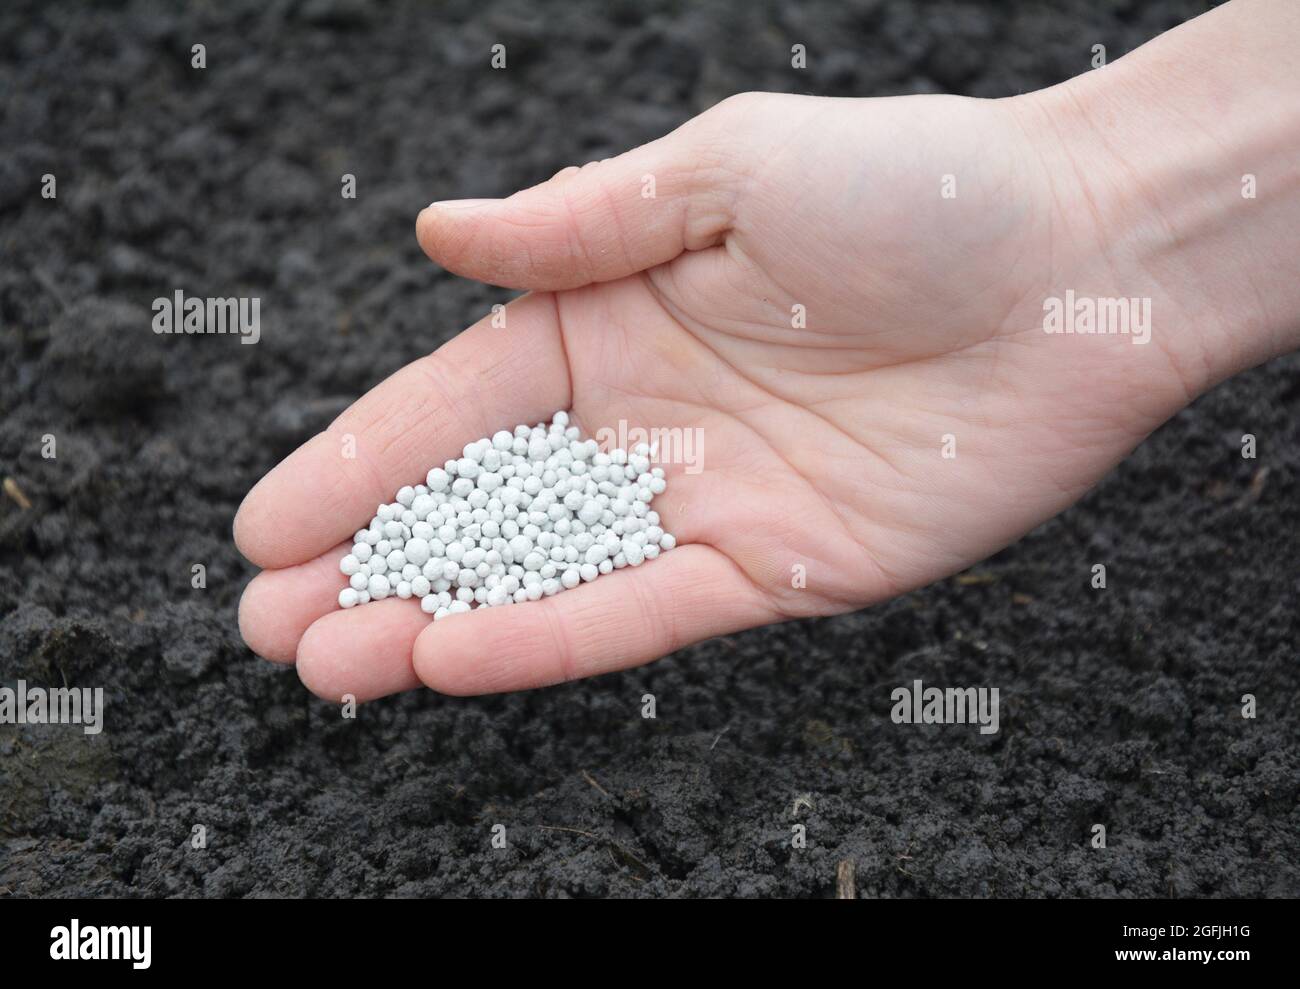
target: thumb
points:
(603, 221)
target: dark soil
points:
(1120, 707)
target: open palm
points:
(838, 303)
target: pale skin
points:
(823, 444)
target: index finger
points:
(416, 419)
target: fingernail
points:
(459, 204)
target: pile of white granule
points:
(518, 517)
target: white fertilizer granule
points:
(518, 517)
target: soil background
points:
(1120, 707)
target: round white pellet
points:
(416, 551)
(348, 566)
(379, 587)
(347, 598)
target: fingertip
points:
(363, 652)
(433, 656)
(442, 232)
(248, 532)
(317, 670)
(492, 651)
(279, 605)
(424, 224)
(260, 626)
(315, 675)
(266, 532)
(527, 244)
(237, 531)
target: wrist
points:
(1175, 172)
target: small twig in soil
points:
(47, 283)
(15, 494)
(905, 857)
(846, 887)
(609, 841)
(588, 777)
(1256, 487)
(556, 827)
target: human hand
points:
(824, 440)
